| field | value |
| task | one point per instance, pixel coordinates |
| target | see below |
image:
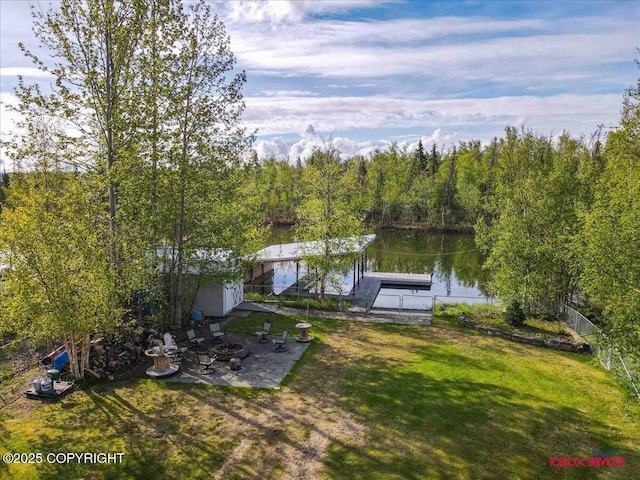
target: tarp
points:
(60, 360)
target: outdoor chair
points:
(281, 343)
(179, 355)
(205, 359)
(193, 339)
(265, 332)
(216, 332)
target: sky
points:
(367, 73)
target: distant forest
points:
(431, 188)
(557, 216)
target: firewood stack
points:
(118, 352)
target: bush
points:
(329, 304)
(514, 315)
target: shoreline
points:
(416, 227)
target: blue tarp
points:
(60, 360)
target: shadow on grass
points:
(422, 426)
(157, 439)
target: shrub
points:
(514, 315)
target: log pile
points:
(121, 351)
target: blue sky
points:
(367, 73)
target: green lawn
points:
(367, 401)
(492, 317)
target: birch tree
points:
(140, 120)
(203, 183)
(326, 217)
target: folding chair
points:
(281, 343)
(205, 359)
(265, 332)
(216, 333)
(193, 339)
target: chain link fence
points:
(624, 367)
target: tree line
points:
(558, 217)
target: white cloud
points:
(576, 113)
(527, 51)
(8, 120)
(25, 72)
(288, 11)
(304, 147)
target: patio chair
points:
(281, 343)
(193, 339)
(205, 359)
(265, 332)
(216, 332)
(179, 355)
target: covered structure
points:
(261, 275)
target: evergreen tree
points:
(421, 157)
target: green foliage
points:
(328, 304)
(4, 186)
(158, 159)
(610, 242)
(531, 227)
(60, 283)
(514, 315)
(327, 218)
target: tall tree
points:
(95, 42)
(207, 146)
(611, 238)
(530, 236)
(326, 216)
(59, 282)
(142, 110)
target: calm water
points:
(454, 261)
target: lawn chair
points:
(216, 332)
(281, 343)
(205, 359)
(193, 339)
(265, 332)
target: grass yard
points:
(492, 317)
(366, 401)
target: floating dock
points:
(401, 279)
(366, 291)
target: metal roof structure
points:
(291, 252)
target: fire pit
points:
(227, 351)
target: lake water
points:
(453, 260)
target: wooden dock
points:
(401, 279)
(365, 294)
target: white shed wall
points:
(218, 300)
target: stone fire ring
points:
(226, 352)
